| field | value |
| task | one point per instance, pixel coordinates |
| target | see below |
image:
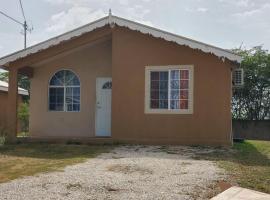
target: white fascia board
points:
(219, 52)
(54, 41)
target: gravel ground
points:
(127, 172)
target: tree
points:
(252, 101)
(23, 81)
(4, 76)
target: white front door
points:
(103, 107)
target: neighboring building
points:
(132, 83)
(4, 102)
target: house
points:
(126, 82)
(4, 102)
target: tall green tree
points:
(252, 101)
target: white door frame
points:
(100, 81)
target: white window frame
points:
(148, 70)
(64, 87)
(241, 70)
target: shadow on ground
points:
(245, 153)
(53, 151)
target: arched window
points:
(107, 85)
(64, 92)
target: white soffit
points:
(219, 52)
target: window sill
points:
(160, 111)
(57, 111)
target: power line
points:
(23, 24)
(22, 9)
(15, 20)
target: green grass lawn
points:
(247, 163)
(29, 159)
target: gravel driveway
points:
(127, 172)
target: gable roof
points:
(4, 87)
(111, 20)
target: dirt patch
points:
(128, 172)
(111, 189)
(223, 185)
(74, 186)
(129, 169)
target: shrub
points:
(23, 116)
(3, 135)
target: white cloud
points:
(123, 2)
(238, 20)
(239, 3)
(250, 13)
(55, 1)
(87, 2)
(137, 12)
(202, 9)
(199, 10)
(73, 17)
(244, 3)
(67, 2)
(81, 12)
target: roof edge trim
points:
(219, 52)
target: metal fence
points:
(251, 129)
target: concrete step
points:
(238, 193)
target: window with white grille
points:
(169, 89)
(238, 77)
(64, 92)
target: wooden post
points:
(12, 105)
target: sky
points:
(224, 23)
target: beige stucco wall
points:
(124, 58)
(210, 122)
(88, 62)
(3, 110)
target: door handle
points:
(98, 106)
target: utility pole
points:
(25, 27)
(25, 32)
(23, 24)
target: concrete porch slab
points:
(62, 140)
(238, 193)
